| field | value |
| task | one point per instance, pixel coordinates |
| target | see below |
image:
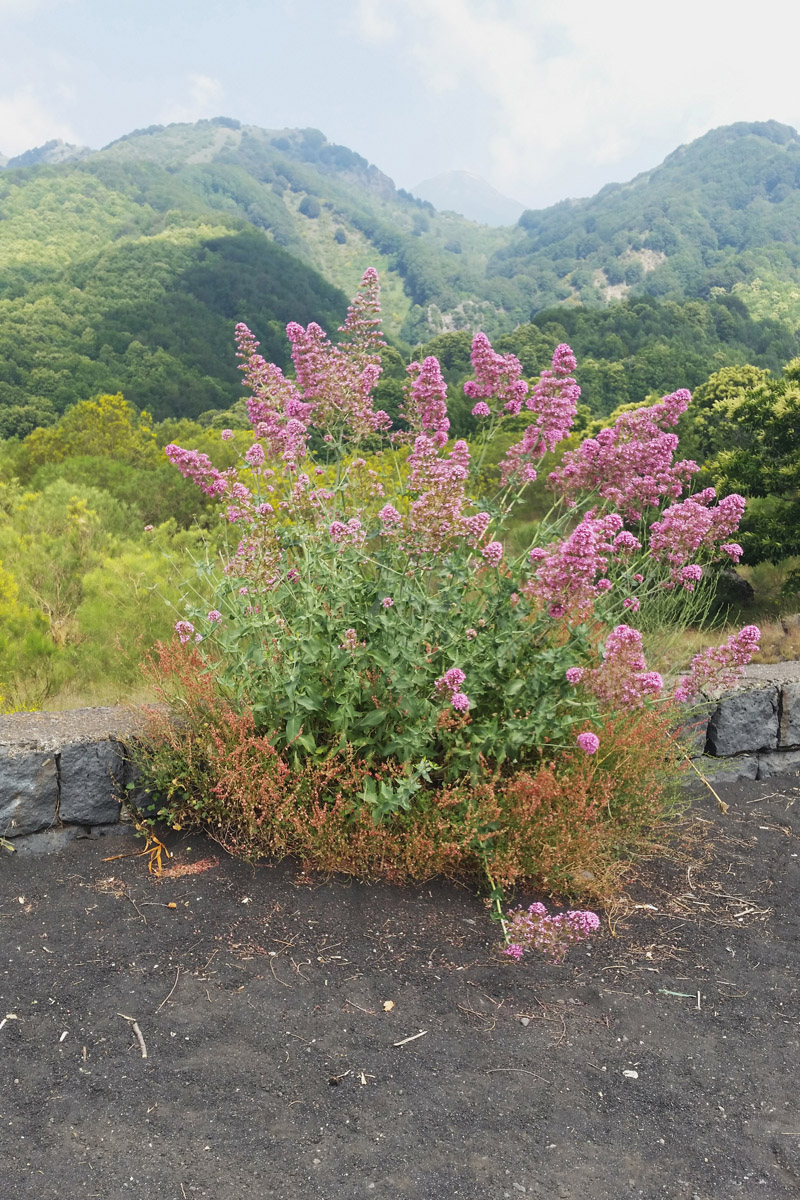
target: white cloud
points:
(25, 122)
(372, 22)
(599, 85)
(201, 98)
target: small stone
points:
(524, 1020)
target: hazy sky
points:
(544, 98)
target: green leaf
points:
(374, 718)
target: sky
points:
(545, 99)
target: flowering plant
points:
(534, 928)
(371, 606)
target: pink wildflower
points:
(434, 519)
(630, 463)
(497, 377)
(338, 380)
(633, 603)
(566, 571)
(719, 667)
(460, 702)
(387, 602)
(349, 641)
(148, 528)
(686, 528)
(215, 615)
(184, 630)
(390, 520)
(690, 576)
(622, 680)
(481, 409)
(475, 526)
(493, 553)
(554, 399)
(534, 929)
(626, 543)
(733, 550)
(426, 401)
(451, 681)
(350, 534)
(588, 742)
(255, 455)
(226, 435)
(199, 468)
(574, 675)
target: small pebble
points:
(524, 1020)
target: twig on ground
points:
(723, 807)
(135, 1027)
(518, 1071)
(413, 1038)
(205, 964)
(272, 968)
(368, 1011)
(128, 896)
(175, 984)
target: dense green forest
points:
(125, 269)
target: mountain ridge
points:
(126, 268)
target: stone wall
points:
(752, 732)
(63, 775)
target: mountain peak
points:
(55, 151)
(472, 197)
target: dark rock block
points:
(91, 782)
(729, 770)
(782, 762)
(28, 791)
(790, 715)
(745, 722)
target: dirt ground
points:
(321, 1039)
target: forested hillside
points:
(125, 269)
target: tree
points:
(760, 456)
(106, 427)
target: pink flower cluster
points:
(493, 553)
(497, 377)
(344, 534)
(534, 929)
(693, 525)
(450, 684)
(439, 481)
(349, 641)
(199, 468)
(335, 388)
(630, 463)
(566, 572)
(475, 527)
(588, 742)
(338, 380)
(554, 399)
(184, 630)
(622, 680)
(426, 401)
(719, 667)
(276, 410)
